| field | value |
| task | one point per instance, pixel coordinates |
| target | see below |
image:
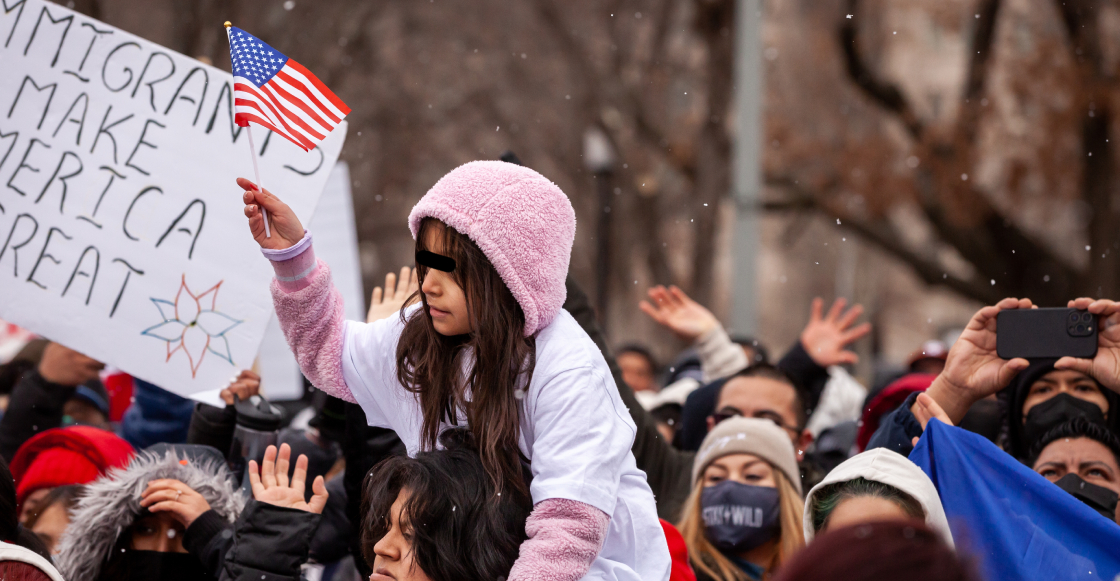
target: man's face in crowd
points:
(636, 371)
(769, 399)
(1085, 457)
(1074, 383)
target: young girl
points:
(487, 347)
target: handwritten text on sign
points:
(121, 229)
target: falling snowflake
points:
(192, 324)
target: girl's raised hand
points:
(286, 228)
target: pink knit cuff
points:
(294, 266)
(565, 537)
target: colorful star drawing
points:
(192, 325)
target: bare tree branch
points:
(961, 214)
(886, 94)
(882, 235)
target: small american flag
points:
(275, 91)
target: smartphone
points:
(1046, 333)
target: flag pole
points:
(257, 174)
(256, 167)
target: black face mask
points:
(1054, 411)
(147, 565)
(1098, 498)
(739, 517)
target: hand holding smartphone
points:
(1046, 333)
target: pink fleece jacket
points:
(565, 535)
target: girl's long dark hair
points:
(442, 370)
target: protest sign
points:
(122, 233)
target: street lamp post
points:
(599, 159)
(747, 164)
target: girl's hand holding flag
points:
(286, 227)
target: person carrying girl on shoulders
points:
(487, 347)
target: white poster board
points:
(122, 233)
(336, 243)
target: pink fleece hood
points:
(521, 221)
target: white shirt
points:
(575, 431)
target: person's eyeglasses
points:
(436, 261)
(728, 413)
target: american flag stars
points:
(253, 59)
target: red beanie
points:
(887, 401)
(680, 570)
(64, 456)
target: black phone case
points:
(1043, 334)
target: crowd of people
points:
(478, 426)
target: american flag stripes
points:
(275, 91)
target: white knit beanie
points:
(739, 435)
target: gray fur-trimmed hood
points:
(111, 503)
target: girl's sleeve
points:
(565, 536)
(311, 315)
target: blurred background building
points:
(918, 156)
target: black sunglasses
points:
(436, 261)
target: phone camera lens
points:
(1087, 317)
(1081, 328)
(1075, 316)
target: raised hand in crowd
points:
(826, 337)
(1105, 367)
(383, 305)
(271, 485)
(974, 370)
(245, 385)
(674, 310)
(285, 225)
(173, 497)
(925, 408)
(64, 366)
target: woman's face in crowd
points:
(51, 524)
(158, 532)
(394, 557)
(863, 509)
(741, 468)
(447, 303)
(1074, 383)
(1087, 458)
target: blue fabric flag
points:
(1017, 523)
